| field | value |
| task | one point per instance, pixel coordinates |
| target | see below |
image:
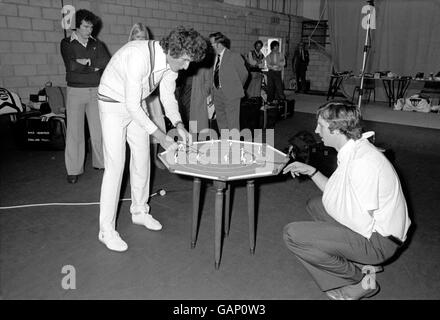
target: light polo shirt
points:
(275, 61)
(126, 79)
(365, 180)
(74, 36)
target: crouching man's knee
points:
(292, 235)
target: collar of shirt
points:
(221, 55)
(74, 36)
(346, 151)
(160, 62)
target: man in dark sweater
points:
(84, 58)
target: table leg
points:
(227, 208)
(220, 186)
(335, 83)
(389, 90)
(195, 219)
(251, 213)
(264, 115)
(402, 86)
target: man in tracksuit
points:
(133, 74)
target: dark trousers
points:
(327, 249)
(275, 88)
(301, 80)
(227, 110)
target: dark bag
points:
(304, 147)
(36, 131)
(301, 146)
(250, 113)
(9, 102)
(56, 97)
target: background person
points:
(138, 32)
(229, 77)
(275, 63)
(255, 59)
(135, 71)
(299, 64)
(362, 216)
(84, 58)
(201, 93)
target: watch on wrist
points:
(314, 172)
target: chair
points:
(369, 87)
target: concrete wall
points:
(319, 70)
(30, 32)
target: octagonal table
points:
(223, 161)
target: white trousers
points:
(118, 128)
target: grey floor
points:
(37, 242)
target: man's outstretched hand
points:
(184, 134)
(165, 141)
(296, 168)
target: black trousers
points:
(301, 81)
(275, 88)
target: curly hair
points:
(183, 41)
(342, 115)
(86, 15)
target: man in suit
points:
(229, 77)
(300, 63)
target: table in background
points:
(395, 88)
(335, 83)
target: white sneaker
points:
(147, 220)
(112, 240)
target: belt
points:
(106, 99)
(395, 240)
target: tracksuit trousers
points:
(117, 129)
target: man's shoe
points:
(112, 240)
(352, 292)
(147, 220)
(72, 179)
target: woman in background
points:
(255, 60)
(154, 109)
(138, 32)
(275, 63)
